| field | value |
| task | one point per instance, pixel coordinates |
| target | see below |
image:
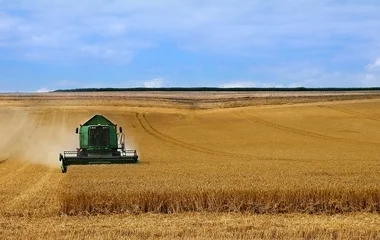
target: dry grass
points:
(308, 201)
(317, 158)
(195, 226)
(178, 100)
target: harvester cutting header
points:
(99, 143)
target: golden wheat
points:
(195, 226)
(328, 201)
(240, 163)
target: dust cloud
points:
(39, 137)
(47, 142)
(46, 150)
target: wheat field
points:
(211, 166)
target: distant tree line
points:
(213, 89)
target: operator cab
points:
(99, 136)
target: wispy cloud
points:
(288, 42)
(372, 76)
(260, 84)
(374, 66)
(218, 26)
(238, 84)
(371, 80)
(43, 90)
(154, 83)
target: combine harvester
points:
(99, 143)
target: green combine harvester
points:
(99, 143)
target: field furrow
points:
(353, 113)
(309, 133)
(147, 126)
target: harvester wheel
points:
(63, 168)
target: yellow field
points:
(281, 166)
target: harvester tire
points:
(63, 169)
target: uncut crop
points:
(213, 173)
(244, 161)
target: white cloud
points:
(111, 31)
(154, 83)
(70, 27)
(37, 56)
(43, 90)
(371, 80)
(272, 85)
(372, 77)
(7, 22)
(260, 84)
(108, 53)
(116, 28)
(374, 66)
(238, 84)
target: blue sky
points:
(48, 45)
